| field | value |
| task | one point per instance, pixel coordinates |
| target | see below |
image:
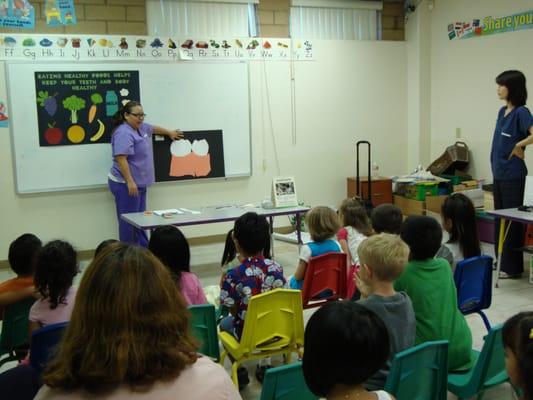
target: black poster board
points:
(78, 107)
(199, 155)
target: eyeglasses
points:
(138, 115)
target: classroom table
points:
(507, 217)
(214, 214)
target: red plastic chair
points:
(325, 280)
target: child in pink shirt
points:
(169, 245)
(55, 271)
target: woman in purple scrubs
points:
(514, 131)
(133, 165)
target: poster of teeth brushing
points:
(200, 154)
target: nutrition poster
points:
(77, 107)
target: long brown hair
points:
(353, 214)
(129, 326)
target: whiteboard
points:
(189, 96)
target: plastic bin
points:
(420, 190)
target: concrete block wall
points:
(393, 20)
(274, 18)
(126, 17)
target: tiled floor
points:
(511, 297)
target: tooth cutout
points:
(180, 148)
(200, 147)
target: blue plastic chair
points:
(204, 329)
(15, 328)
(420, 373)
(473, 279)
(44, 343)
(286, 383)
(488, 371)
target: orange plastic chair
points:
(274, 324)
(325, 280)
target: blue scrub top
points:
(510, 130)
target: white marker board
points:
(189, 96)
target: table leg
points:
(271, 222)
(502, 235)
(298, 228)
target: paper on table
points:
(528, 192)
(169, 211)
(190, 211)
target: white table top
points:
(513, 214)
(207, 215)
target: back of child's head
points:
(459, 217)
(230, 252)
(354, 214)
(387, 218)
(345, 344)
(385, 254)
(22, 254)
(517, 336)
(171, 247)
(252, 232)
(103, 244)
(55, 271)
(322, 222)
(423, 235)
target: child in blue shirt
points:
(323, 224)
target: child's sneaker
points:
(260, 372)
(242, 376)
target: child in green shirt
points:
(429, 283)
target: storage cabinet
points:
(381, 189)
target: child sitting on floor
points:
(383, 258)
(323, 224)
(429, 283)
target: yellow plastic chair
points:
(274, 324)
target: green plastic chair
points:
(14, 339)
(286, 383)
(204, 329)
(420, 373)
(488, 371)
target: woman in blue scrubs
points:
(514, 131)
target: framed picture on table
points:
(284, 191)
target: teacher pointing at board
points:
(133, 165)
(514, 131)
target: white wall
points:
(463, 91)
(354, 90)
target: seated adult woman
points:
(128, 337)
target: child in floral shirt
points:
(254, 276)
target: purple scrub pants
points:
(129, 204)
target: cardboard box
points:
(434, 203)
(410, 206)
(466, 185)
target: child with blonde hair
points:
(383, 258)
(323, 224)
